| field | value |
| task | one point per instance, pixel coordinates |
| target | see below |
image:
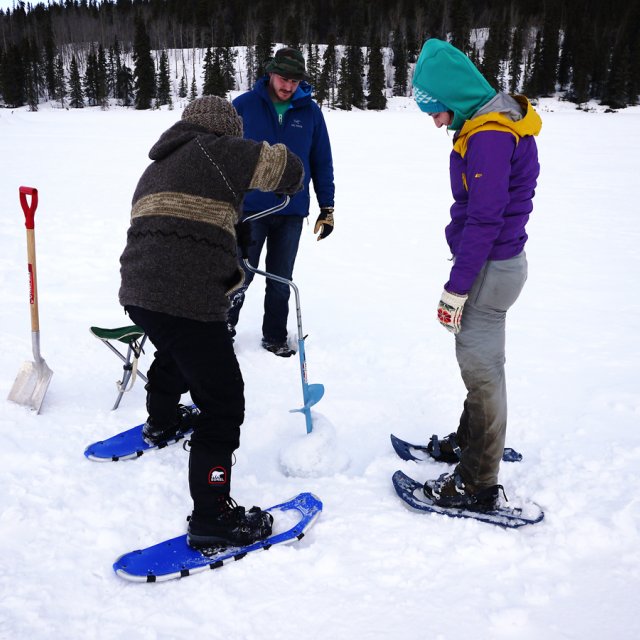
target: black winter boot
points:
(156, 434)
(281, 349)
(450, 490)
(231, 526)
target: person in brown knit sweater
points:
(177, 270)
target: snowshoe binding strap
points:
(452, 452)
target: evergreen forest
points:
(359, 52)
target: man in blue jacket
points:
(279, 108)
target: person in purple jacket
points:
(279, 109)
(493, 171)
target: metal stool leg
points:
(134, 350)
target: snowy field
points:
(369, 569)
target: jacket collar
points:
(529, 124)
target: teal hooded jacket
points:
(446, 75)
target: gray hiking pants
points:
(480, 350)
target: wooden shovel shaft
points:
(33, 280)
(33, 378)
(29, 209)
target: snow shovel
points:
(311, 393)
(33, 378)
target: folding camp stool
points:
(134, 337)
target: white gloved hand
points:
(450, 310)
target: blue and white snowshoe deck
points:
(130, 444)
(419, 452)
(413, 496)
(126, 445)
(176, 559)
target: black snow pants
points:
(197, 357)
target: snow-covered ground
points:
(370, 568)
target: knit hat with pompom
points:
(215, 114)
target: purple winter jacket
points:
(493, 169)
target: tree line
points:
(87, 52)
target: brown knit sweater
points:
(181, 255)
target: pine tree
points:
(207, 73)
(125, 86)
(163, 81)
(413, 43)
(60, 89)
(601, 48)
(113, 68)
(534, 69)
(76, 96)
(143, 71)
(213, 80)
(355, 70)
(460, 13)
(13, 77)
(549, 52)
(50, 62)
(250, 61)
(376, 99)
(313, 64)
(564, 62)
(90, 81)
(490, 66)
(228, 67)
(193, 94)
(400, 64)
(34, 80)
(515, 59)
(102, 92)
(182, 88)
(327, 84)
(616, 88)
(264, 42)
(344, 90)
(581, 65)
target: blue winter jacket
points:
(303, 131)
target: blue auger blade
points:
(313, 394)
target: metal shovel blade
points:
(31, 385)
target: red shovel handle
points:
(29, 210)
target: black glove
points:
(324, 223)
(243, 235)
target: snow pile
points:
(316, 454)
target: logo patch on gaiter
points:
(218, 475)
